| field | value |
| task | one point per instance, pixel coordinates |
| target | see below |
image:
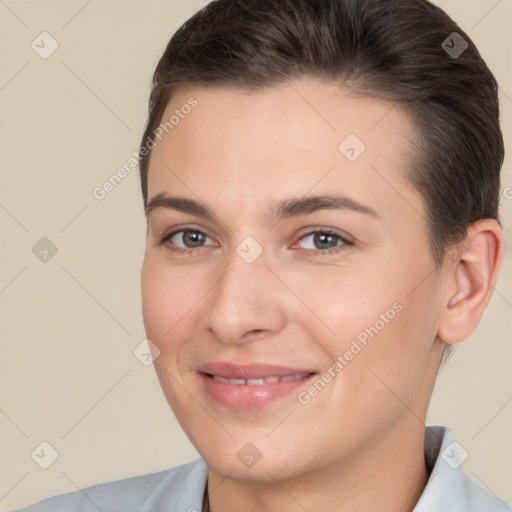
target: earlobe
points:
(471, 276)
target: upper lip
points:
(249, 371)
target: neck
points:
(388, 474)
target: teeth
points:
(221, 379)
(261, 381)
(252, 382)
(237, 382)
(289, 378)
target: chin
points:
(237, 464)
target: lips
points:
(259, 381)
(252, 386)
(250, 371)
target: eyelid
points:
(345, 241)
(173, 232)
(311, 230)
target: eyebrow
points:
(292, 207)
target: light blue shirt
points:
(181, 489)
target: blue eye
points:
(188, 241)
(190, 238)
(324, 241)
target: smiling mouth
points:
(259, 381)
(251, 387)
(239, 386)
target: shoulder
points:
(182, 487)
(448, 487)
(481, 499)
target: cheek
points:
(167, 298)
(153, 301)
(396, 357)
(380, 319)
(346, 304)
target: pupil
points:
(193, 237)
(323, 238)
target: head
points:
(258, 103)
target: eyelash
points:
(181, 250)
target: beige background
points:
(69, 326)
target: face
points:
(288, 282)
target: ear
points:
(470, 278)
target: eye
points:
(324, 241)
(190, 240)
(185, 240)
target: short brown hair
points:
(396, 51)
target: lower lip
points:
(249, 397)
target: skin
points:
(358, 444)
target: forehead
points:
(293, 138)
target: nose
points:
(246, 302)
